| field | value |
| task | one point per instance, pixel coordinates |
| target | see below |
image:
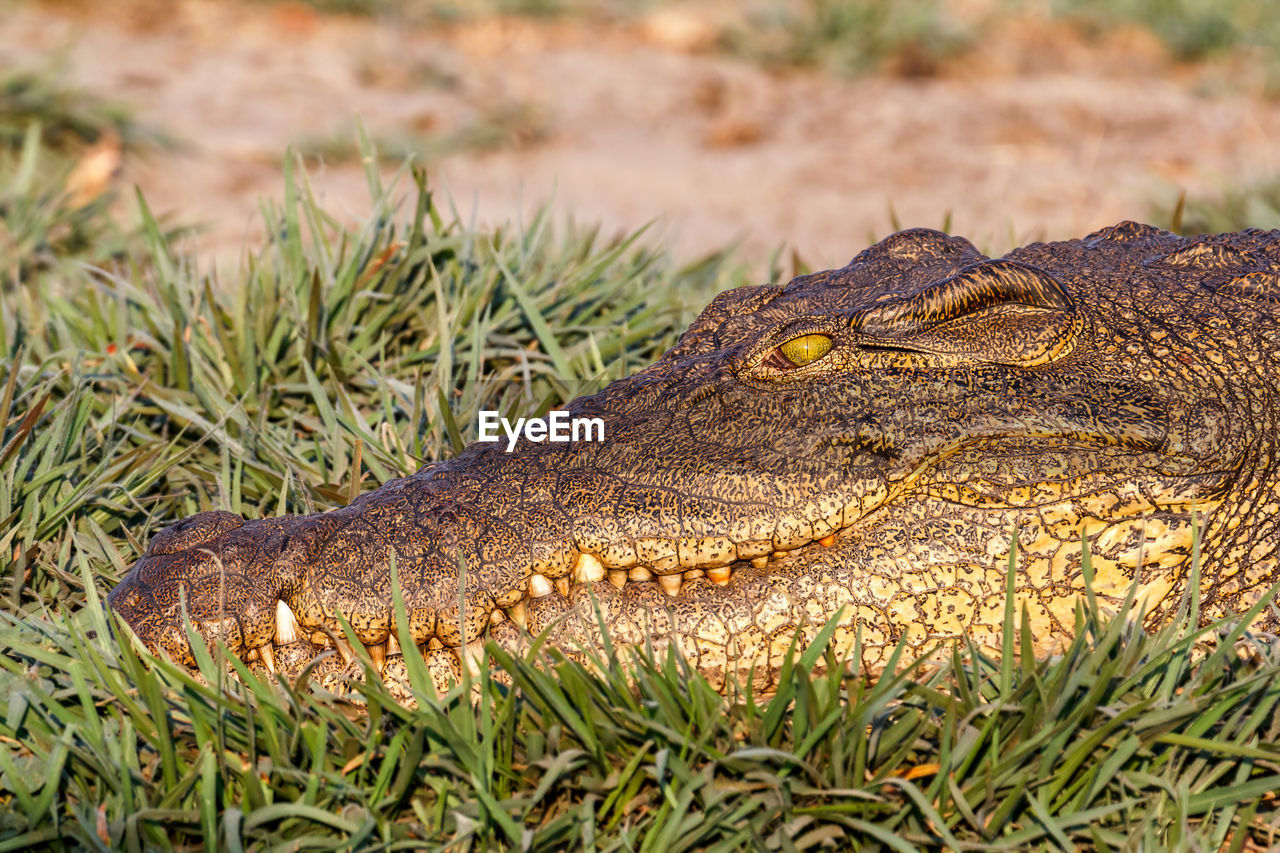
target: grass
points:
(848, 36)
(1243, 33)
(66, 116)
(853, 37)
(136, 388)
(1238, 206)
(58, 150)
(501, 126)
(461, 10)
(1193, 30)
(53, 219)
(905, 37)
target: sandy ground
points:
(1035, 135)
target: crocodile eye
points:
(805, 349)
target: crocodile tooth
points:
(589, 568)
(519, 614)
(268, 657)
(378, 653)
(562, 586)
(286, 625)
(618, 577)
(640, 573)
(473, 656)
(344, 648)
(828, 540)
(670, 584)
(719, 575)
(759, 562)
(434, 644)
(779, 555)
(539, 586)
(497, 617)
(393, 645)
(693, 574)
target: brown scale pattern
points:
(1105, 388)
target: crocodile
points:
(868, 443)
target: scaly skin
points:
(1110, 388)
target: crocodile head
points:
(864, 441)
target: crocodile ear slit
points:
(998, 311)
(978, 287)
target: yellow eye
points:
(806, 349)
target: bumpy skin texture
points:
(1113, 388)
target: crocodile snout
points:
(216, 566)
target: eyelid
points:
(777, 360)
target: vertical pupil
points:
(805, 349)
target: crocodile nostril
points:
(194, 531)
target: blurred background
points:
(806, 127)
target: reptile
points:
(871, 441)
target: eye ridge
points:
(800, 351)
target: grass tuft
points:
(1192, 30)
(1238, 206)
(849, 38)
(507, 125)
(67, 117)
